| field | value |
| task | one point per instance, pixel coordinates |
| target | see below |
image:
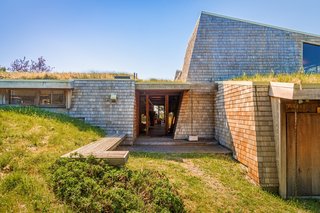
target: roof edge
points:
(259, 24)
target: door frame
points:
(280, 108)
(148, 94)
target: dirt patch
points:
(197, 172)
(4, 171)
(32, 148)
(35, 130)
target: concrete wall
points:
(91, 101)
(196, 115)
(222, 48)
(243, 119)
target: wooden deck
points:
(103, 149)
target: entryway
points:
(157, 112)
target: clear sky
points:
(144, 36)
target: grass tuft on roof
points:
(299, 77)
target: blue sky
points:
(147, 37)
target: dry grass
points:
(61, 75)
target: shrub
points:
(93, 186)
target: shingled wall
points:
(243, 119)
(91, 101)
(221, 48)
(196, 115)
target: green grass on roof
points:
(297, 77)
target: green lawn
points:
(32, 140)
(216, 183)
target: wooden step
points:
(114, 158)
(102, 148)
(103, 144)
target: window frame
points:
(302, 49)
(37, 98)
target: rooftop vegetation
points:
(298, 77)
(158, 80)
(60, 75)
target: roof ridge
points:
(259, 24)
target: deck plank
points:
(102, 148)
(115, 158)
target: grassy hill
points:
(34, 179)
(30, 142)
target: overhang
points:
(163, 86)
(36, 84)
(294, 91)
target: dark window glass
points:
(52, 98)
(23, 97)
(3, 97)
(311, 57)
(57, 97)
(43, 98)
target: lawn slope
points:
(31, 140)
(216, 183)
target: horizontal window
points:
(23, 97)
(43, 98)
(52, 97)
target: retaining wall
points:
(243, 118)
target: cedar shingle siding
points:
(221, 48)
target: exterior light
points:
(113, 97)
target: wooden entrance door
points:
(303, 154)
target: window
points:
(23, 97)
(52, 98)
(311, 57)
(2, 97)
(43, 98)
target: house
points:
(272, 128)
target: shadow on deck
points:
(168, 145)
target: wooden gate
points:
(303, 154)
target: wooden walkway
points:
(103, 148)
